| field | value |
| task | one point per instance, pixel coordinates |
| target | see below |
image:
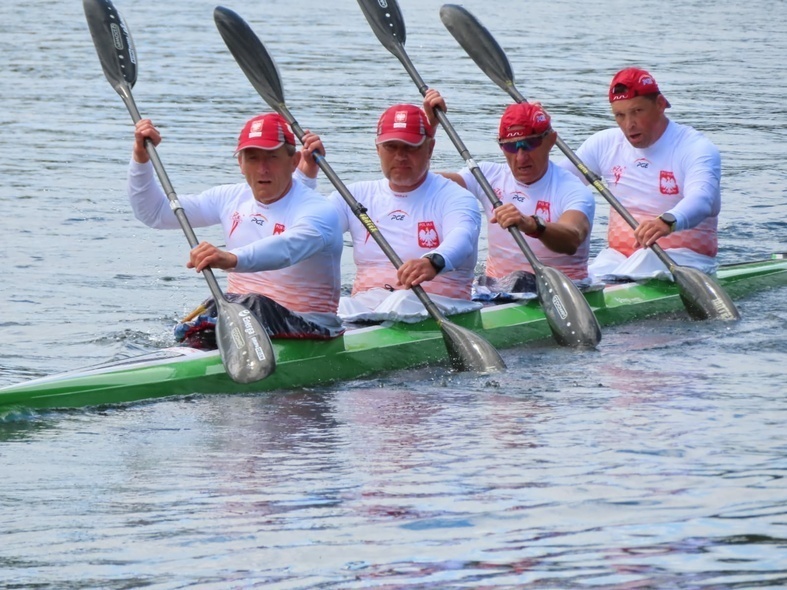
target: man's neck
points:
(662, 128)
(407, 189)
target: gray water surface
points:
(656, 461)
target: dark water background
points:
(657, 461)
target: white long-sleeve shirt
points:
(439, 216)
(289, 250)
(549, 197)
(680, 174)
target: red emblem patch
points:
(667, 183)
(427, 235)
(278, 229)
(543, 210)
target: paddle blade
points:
(479, 44)
(386, 21)
(251, 55)
(567, 311)
(113, 43)
(469, 351)
(703, 297)
(245, 347)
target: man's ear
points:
(431, 146)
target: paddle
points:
(246, 349)
(567, 312)
(467, 351)
(703, 297)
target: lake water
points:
(657, 461)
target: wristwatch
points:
(541, 227)
(438, 262)
(670, 220)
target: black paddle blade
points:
(567, 311)
(703, 297)
(113, 43)
(251, 55)
(386, 21)
(247, 349)
(470, 352)
(479, 44)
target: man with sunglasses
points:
(665, 174)
(552, 208)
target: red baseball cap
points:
(404, 122)
(632, 82)
(265, 132)
(523, 120)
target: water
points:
(657, 461)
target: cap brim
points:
(514, 136)
(409, 139)
(268, 147)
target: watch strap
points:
(541, 227)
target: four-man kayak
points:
(360, 352)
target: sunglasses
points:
(526, 143)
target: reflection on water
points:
(656, 461)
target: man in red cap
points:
(431, 223)
(551, 207)
(665, 174)
(283, 242)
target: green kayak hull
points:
(360, 352)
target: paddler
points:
(548, 205)
(283, 241)
(665, 174)
(430, 222)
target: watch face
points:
(668, 218)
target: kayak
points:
(359, 352)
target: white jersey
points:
(549, 197)
(439, 216)
(289, 250)
(680, 174)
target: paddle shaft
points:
(175, 205)
(468, 158)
